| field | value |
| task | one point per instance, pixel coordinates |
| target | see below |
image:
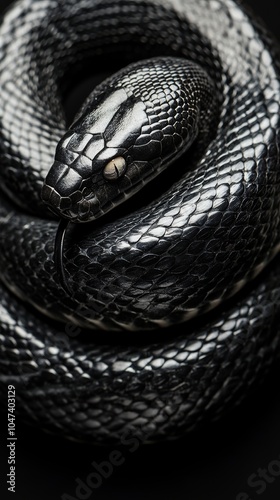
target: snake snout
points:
(63, 192)
(73, 203)
(58, 204)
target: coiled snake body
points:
(205, 242)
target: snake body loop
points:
(201, 255)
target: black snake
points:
(177, 283)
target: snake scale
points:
(174, 306)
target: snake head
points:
(126, 133)
(89, 174)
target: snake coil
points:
(199, 260)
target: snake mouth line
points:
(90, 206)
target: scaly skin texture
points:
(205, 236)
(149, 114)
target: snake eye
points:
(115, 169)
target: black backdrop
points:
(214, 464)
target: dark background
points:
(212, 464)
